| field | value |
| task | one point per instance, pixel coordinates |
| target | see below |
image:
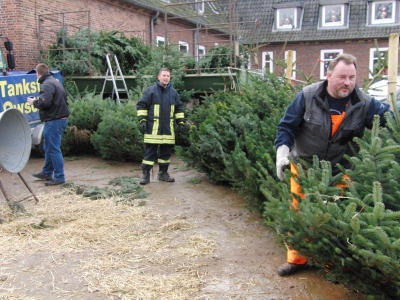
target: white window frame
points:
(160, 39)
(184, 44)
(293, 75)
(271, 60)
(200, 6)
(200, 48)
(282, 13)
(374, 13)
(245, 61)
(326, 57)
(373, 58)
(326, 21)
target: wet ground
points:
(247, 255)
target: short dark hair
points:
(348, 59)
(42, 69)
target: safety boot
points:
(288, 268)
(145, 177)
(163, 174)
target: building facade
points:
(33, 25)
(318, 30)
(315, 30)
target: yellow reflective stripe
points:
(158, 139)
(156, 124)
(158, 142)
(148, 162)
(158, 136)
(180, 115)
(171, 127)
(142, 112)
(171, 114)
(156, 110)
(161, 161)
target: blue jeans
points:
(53, 158)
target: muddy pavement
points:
(247, 255)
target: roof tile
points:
(213, 13)
(263, 10)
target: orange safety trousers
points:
(293, 256)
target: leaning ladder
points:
(114, 76)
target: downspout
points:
(152, 28)
(195, 34)
(196, 46)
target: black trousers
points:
(153, 153)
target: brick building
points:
(33, 25)
(317, 30)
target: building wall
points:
(309, 54)
(19, 21)
(185, 33)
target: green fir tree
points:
(354, 232)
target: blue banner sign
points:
(16, 86)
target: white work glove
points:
(282, 160)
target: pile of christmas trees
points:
(352, 233)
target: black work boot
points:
(163, 174)
(145, 177)
(288, 269)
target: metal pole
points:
(392, 69)
(89, 46)
(63, 36)
(27, 186)
(39, 34)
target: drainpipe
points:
(195, 35)
(196, 46)
(152, 28)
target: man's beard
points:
(343, 94)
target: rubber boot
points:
(163, 174)
(145, 177)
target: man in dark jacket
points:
(53, 110)
(157, 110)
(322, 120)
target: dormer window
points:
(383, 12)
(288, 15)
(286, 18)
(333, 16)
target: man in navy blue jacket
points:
(158, 109)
